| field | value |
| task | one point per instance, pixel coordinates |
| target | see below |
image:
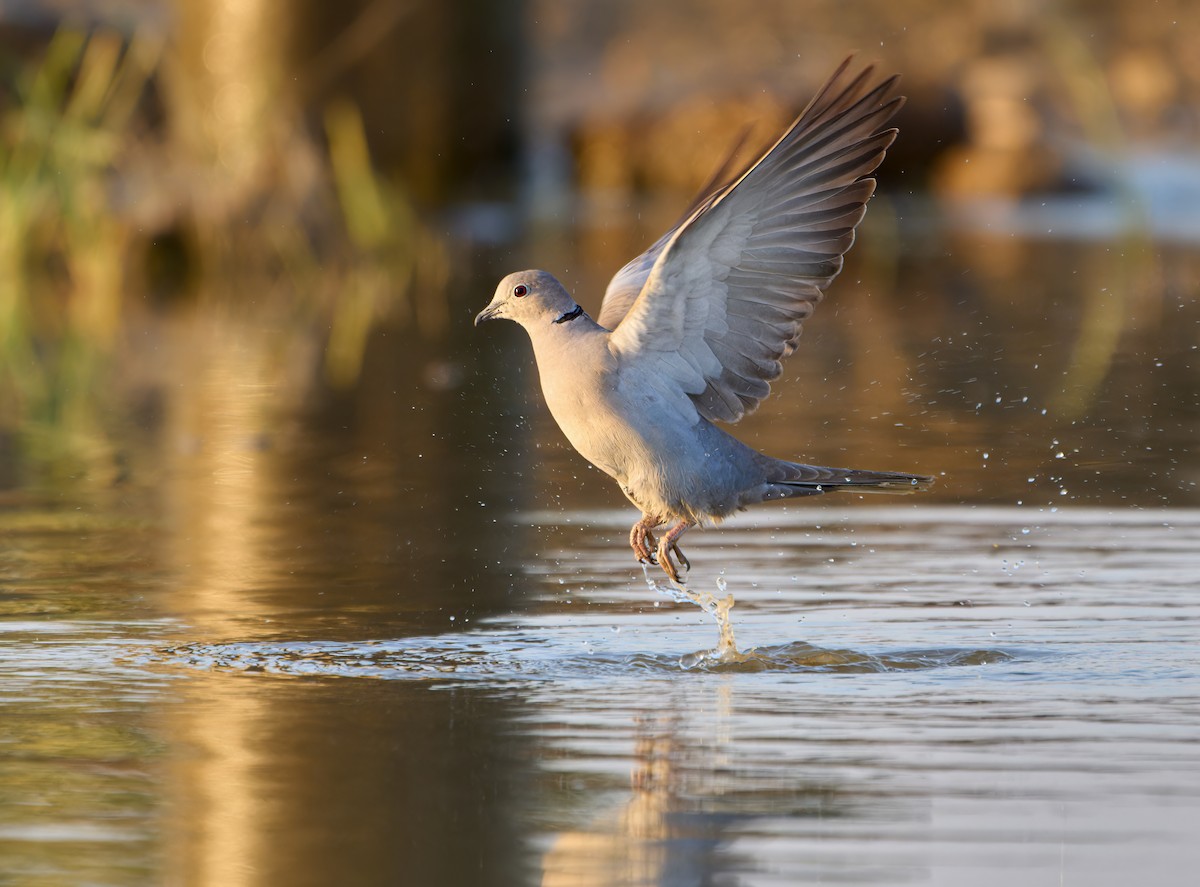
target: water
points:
(987, 695)
(255, 630)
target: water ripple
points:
(513, 655)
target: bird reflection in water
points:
(659, 836)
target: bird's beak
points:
(488, 313)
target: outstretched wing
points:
(724, 294)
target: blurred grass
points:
(75, 260)
(62, 250)
(392, 251)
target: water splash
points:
(726, 650)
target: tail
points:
(788, 479)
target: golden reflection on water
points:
(272, 781)
(228, 389)
(216, 808)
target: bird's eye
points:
(520, 290)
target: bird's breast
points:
(642, 431)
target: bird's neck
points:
(563, 342)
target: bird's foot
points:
(670, 544)
(641, 540)
(665, 550)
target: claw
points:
(648, 551)
(668, 565)
(668, 544)
(641, 540)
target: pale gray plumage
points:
(693, 330)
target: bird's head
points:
(531, 298)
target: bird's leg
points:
(641, 540)
(670, 543)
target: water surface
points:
(931, 695)
(257, 630)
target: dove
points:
(692, 332)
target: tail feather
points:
(786, 477)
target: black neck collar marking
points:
(570, 315)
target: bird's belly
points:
(665, 464)
(603, 437)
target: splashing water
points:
(726, 649)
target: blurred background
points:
(201, 199)
(242, 243)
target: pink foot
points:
(669, 544)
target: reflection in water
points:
(289, 509)
(702, 799)
(650, 839)
(300, 782)
(275, 534)
(215, 834)
(220, 428)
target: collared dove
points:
(692, 331)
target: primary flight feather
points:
(693, 331)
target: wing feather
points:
(719, 300)
(627, 283)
